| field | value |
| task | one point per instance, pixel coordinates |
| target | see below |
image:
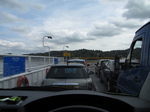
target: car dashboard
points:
(70, 100)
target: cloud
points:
(104, 30)
(11, 44)
(13, 4)
(72, 37)
(21, 29)
(124, 23)
(78, 24)
(19, 47)
(137, 9)
(38, 6)
(9, 18)
(21, 5)
(64, 28)
(11, 47)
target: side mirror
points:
(117, 62)
(125, 65)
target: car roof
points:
(103, 60)
(76, 60)
(75, 64)
(71, 64)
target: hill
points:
(85, 53)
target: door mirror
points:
(117, 62)
(124, 65)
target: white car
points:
(71, 76)
(80, 61)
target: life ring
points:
(22, 81)
(47, 70)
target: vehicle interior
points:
(70, 100)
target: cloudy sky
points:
(90, 24)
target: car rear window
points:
(66, 72)
(81, 62)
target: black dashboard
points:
(71, 100)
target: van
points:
(137, 64)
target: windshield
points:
(37, 35)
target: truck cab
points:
(137, 65)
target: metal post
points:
(64, 50)
(29, 63)
(47, 46)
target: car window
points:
(81, 62)
(66, 72)
(134, 59)
(77, 61)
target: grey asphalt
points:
(100, 87)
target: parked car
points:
(81, 61)
(109, 74)
(99, 65)
(71, 76)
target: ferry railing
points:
(35, 70)
(34, 77)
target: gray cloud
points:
(9, 18)
(62, 37)
(137, 9)
(14, 4)
(21, 5)
(20, 29)
(38, 6)
(126, 23)
(75, 37)
(108, 30)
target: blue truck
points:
(136, 69)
